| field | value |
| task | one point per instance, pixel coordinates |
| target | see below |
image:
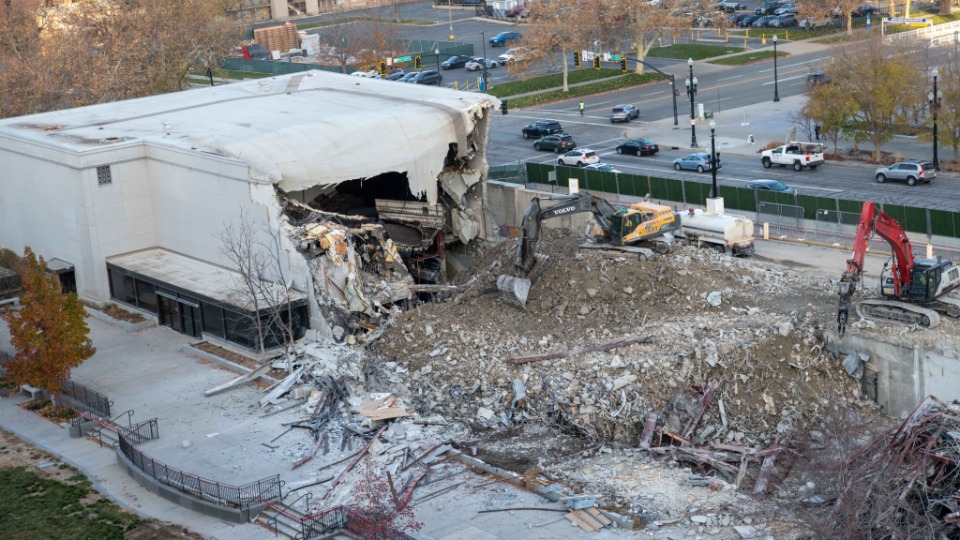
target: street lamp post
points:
(776, 89)
(438, 59)
(692, 93)
(714, 192)
(934, 98)
(483, 40)
(956, 39)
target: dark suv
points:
(558, 142)
(909, 171)
(427, 76)
(540, 128)
(767, 8)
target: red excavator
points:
(915, 288)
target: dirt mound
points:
(748, 326)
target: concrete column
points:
(313, 7)
(278, 10)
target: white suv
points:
(512, 55)
(579, 157)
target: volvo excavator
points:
(642, 223)
(915, 290)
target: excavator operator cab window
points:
(924, 283)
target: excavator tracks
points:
(898, 312)
(950, 306)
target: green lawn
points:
(237, 75)
(682, 51)
(35, 508)
(321, 24)
(747, 58)
(624, 81)
(551, 81)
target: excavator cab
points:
(925, 280)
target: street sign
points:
(588, 56)
(403, 59)
(615, 57)
(906, 21)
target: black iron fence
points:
(241, 497)
(141, 432)
(343, 518)
(84, 399)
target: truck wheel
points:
(619, 150)
(911, 181)
(797, 166)
(536, 147)
(766, 163)
(881, 178)
(677, 166)
(812, 167)
(560, 162)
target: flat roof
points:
(203, 279)
(298, 130)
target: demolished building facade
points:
(356, 190)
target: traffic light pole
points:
(673, 79)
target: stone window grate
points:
(104, 178)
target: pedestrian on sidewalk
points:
(581, 107)
(816, 130)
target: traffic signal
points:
(383, 67)
(417, 63)
(623, 64)
(503, 107)
(596, 62)
(576, 58)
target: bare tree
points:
(559, 27)
(263, 290)
(643, 23)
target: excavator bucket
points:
(514, 289)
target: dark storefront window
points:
(122, 288)
(213, 320)
(146, 296)
(240, 329)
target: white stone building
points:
(131, 197)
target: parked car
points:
(771, 185)
(863, 10)
(477, 64)
(638, 147)
(455, 62)
(518, 11)
(732, 5)
(396, 75)
(503, 38)
(624, 113)
(406, 77)
(747, 21)
(540, 128)
(514, 54)
(579, 157)
(767, 8)
(558, 142)
(784, 21)
(602, 167)
(786, 8)
(427, 76)
(763, 21)
(734, 20)
(910, 172)
(817, 77)
(695, 162)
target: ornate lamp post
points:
(776, 89)
(935, 98)
(692, 92)
(714, 192)
(486, 82)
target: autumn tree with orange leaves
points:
(48, 332)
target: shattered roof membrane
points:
(298, 131)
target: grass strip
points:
(555, 80)
(748, 58)
(625, 81)
(682, 51)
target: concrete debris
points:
(715, 298)
(382, 407)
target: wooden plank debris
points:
(255, 374)
(585, 520)
(382, 407)
(356, 459)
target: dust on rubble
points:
(748, 325)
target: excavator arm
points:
(874, 221)
(530, 227)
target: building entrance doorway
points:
(181, 314)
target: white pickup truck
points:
(797, 154)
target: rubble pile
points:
(905, 483)
(739, 325)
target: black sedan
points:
(455, 62)
(638, 147)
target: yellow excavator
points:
(637, 228)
